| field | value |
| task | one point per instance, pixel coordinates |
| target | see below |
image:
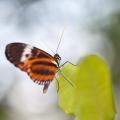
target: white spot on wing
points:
(54, 62)
(26, 51)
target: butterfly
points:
(38, 64)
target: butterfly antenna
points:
(48, 47)
(60, 39)
(51, 50)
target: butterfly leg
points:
(46, 87)
(66, 63)
(58, 85)
(59, 70)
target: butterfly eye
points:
(59, 58)
(27, 55)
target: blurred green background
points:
(91, 27)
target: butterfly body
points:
(39, 65)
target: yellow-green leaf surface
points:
(91, 96)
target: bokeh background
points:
(90, 27)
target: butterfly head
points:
(57, 57)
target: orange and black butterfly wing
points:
(42, 71)
(39, 65)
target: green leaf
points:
(91, 96)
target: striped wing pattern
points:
(39, 65)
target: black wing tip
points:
(13, 51)
(7, 49)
